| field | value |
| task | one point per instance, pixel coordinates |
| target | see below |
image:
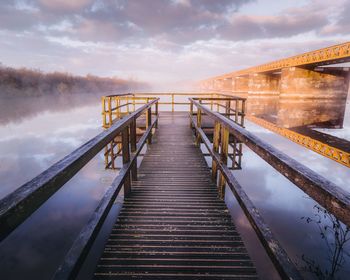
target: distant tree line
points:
(26, 93)
(26, 82)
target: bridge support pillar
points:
(240, 86)
(217, 84)
(227, 85)
(312, 97)
(263, 94)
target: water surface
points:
(32, 143)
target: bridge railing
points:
(321, 147)
(19, 205)
(115, 107)
(327, 194)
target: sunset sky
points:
(164, 41)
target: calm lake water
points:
(35, 249)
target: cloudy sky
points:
(165, 42)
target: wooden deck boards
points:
(173, 226)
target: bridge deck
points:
(173, 226)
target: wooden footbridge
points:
(174, 223)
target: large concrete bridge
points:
(298, 90)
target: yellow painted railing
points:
(115, 107)
(312, 144)
(332, 54)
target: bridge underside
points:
(294, 96)
(173, 225)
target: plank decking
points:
(173, 226)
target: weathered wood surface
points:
(173, 226)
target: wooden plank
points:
(278, 255)
(173, 225)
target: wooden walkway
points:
(173, 226)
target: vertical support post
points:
(114, 112)
(191, 113)
(225, 134)
(228, 109)
(126, 160)
(133, 148)
(199, 124)
(113, 156)
(133, 104)
(239, 162)
(148, 124)
(118, 108)
(104, 112)
(172, 103)
(243, 112)
(235, 153)
(127, 105)
(156, 125)
(109, 100)
(216, 143)
(106, 154)
(236, 110)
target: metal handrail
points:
(20, 204)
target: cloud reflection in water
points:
(37, 247)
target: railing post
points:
(126, 160)
(118, 113)
(113, 157)
(133, 148)
(148, 124)
(114, 99)
(236, 111)
(228, 109)
(199, 124)
(109, 100)
(216, 143)
(156, 124)
(191, 113)
(243, 113)
(225, 134)
(172, 103)
(104, 120)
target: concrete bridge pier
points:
(240, 86)
(263, 94)
(312, 97)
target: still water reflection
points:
(26, 149)
(316, 242)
